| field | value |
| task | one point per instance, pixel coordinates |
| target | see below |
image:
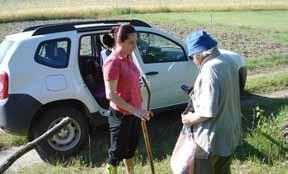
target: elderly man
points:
(216, 121)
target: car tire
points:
(242, 79)
(68, 141)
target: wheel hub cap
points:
(67, 138)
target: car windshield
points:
(4, 47)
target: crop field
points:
(65, 9)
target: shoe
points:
(110, 169)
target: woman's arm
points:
(112, 96)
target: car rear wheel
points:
(67, 141)
(242, 78)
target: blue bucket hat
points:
(199, 41)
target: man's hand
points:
(191, 119)
(186, 118)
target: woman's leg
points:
(118, 141)
(124, 132)
(129, 166)
(133, 134)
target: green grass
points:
(271, 20)
(53, 9)
(262, 151)
(263, 134)
(31, 4)
(257, 167)
(267, 63)
(267, 83)
(281, 37)
(267, 25)
(8, 140)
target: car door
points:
(53, 57)
(164, 62)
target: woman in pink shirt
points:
(121, 78)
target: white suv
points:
(52, 71)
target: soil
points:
(248, 44)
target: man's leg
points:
(213, 165)
(203, 166)
(221, 165)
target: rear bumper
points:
(16, 113)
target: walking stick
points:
(145, 132)
(148, 145)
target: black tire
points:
(242, 79)
(63, 145)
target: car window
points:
(4, 47)
(158, 49)
(86, 46)
(54, 53)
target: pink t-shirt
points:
(116, 67)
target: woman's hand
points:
(144, 114)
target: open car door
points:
(165, 67)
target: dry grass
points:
(30, 4)
(52, 9)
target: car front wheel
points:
(67, 141)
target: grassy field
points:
(266, 63)
(267, 83)
(268, 25)
(7, 140)
(262, 150)
(53, 9)
(31, 4)
(269, 20)
(262, 36)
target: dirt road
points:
(27, 160)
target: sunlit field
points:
(53, 9)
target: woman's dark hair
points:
(122, 32)
(108, 40)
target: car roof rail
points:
(70, 26)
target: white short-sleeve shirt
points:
(216, 95)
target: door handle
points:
(152, 73)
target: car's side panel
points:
(47, 84)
